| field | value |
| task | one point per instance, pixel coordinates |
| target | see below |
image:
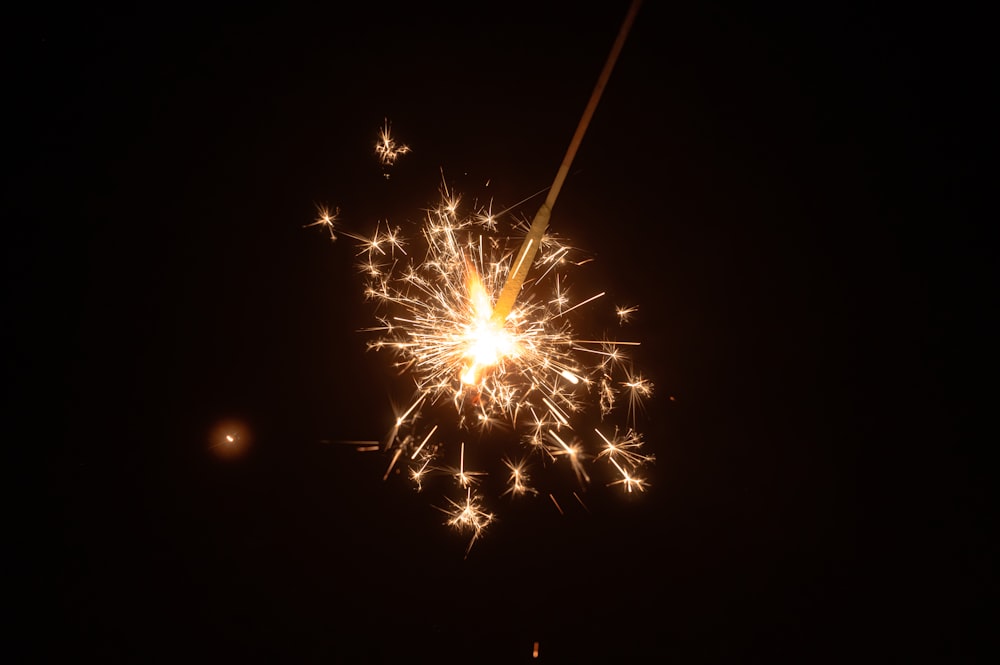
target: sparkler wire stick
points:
(540, 223)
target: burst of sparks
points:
(531, 374)
(386, 148)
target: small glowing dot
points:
(229, 438)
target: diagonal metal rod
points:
(526, 255)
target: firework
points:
(530, 384)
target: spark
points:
(518, 480)
(627, 480)
(424, 442)
(624, 447)
(638, 389)
(360, 446)
(558, 507)
(417, 473)
(463, 477)
(623, 453)
(386, 148)
(469, 517)
(625, 313)
(326, 219)
(574, 453)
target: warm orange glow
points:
(229, 438)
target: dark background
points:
(786, 193)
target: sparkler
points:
(484, 342)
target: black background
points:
(785, 192)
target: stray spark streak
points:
(527, 380)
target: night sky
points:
(785, 194)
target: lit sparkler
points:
(480, 318)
